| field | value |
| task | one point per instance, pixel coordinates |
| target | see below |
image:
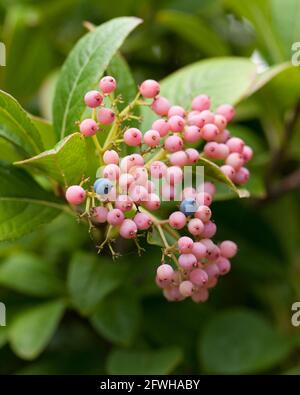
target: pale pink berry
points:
(75, 194)
(176, 110)
(149, 88)
(235, 160)
(108, 84)
(223, 136)
(186, 288)
(199, 250)
(215, 253)
(212, 270)
(188, 192)
(220, 121)
(247, 153)
(112, 172)
(105, 116)
(209, 132)
(93, 99)
(99, 214)
(198, 277)
(115, 217)
(187, 261)
(209, 230)
(125, 180)
(165, 272)
(209, 188)
(133, 137)
(153, 202)
(207, 116)
(192, 155)
(138, 193)
(162, 284)
(176, 123)
(173, 144)
(227, 111)
(161, 106)
(195, 119)
(203, 199)
(168, 192)
(110, 157)
(192, 134)
(228, 249)
(88, 127)
(124, 203)
(130, 161)
(241, 176)
(224, 265)
(235, 144)
(174, 175)
(179, 158)
(150, 186)
(162, 126)
(143, 221)
(152, 138)
(215, 150)
(200, 296)
(201, 102)
(158, 169)
(177, 220)
(228, 171)
(211, 283)
(128, 229)
(172, 294)
(185, 244)
(210, 245)
(204, 213)
(195, 227)
(140, 175)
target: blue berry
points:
(188, 206)
(103, 186)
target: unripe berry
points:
(162, 126)
(204, 213)
(228, 249)
(88, 127)
(195, 226)
(105, 116)
(189, 192)
(149, 88)
(152, 138)
(220, 121)
(187, 261)
(115, 217)
(192, 134)
(128, 229)
(174, 175)
(138, 193)
(133, 137)
(161, 106)
(179, 158)
(140, 175)
(143, 221)
(150, 186)
(112, 172)
(125, 180)
(108, 84)
(188, 206)
(211, 283)
(227, 111)
(75, 194)
(124, 203)
(210, 245)
(198, 277)
(131, 160)
(176, 123)
(192, 155)
(168, 192)
(241, 176)
(203, 199)
(177, 220)
(199, 250)
(153, 202)
(176, 110)
(165, 272)
(209, 132)
(212, 270)
(110, 157)
(102, 186)
(228, 171)
(235, 160)
(172, 294)
(209, 188)
(207, 116)
(93, 99)
(215, 150)
(200, 296)
(185, 244)
(224, 265)
(158, 169)
(209, 230)
(235, 144)
(186, 288)
(99, 214)
(173, 144)
(201, 102)
(247, 153)
(195, 119)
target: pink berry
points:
(105, 116)
(75, 194)
(203, 199)
(174, 175)
(188, 192)
(153, 202)
(198, 277)
(228, 249)
(207, 116)
(247, 153)
(223, 136)
(161, 106)
(176, 110)
(212, 270)
(112, 172)
(211, 283)
(199, 250)
(176, 123)
(138, 193)
(125, 180)
(150, 186)
(177, 220)
(209, 132)
(228, 171)
(158, 169)
(241, 176)
(186, 288)
(149, 88)
(115, 217)
(93, 99)
(133, 137)
(173, 144)
(162, 126)
(124, 203)
(209, 230)
(99, 214)
(185, 244)
(209, 188)
(128, 229)
(110, 157)
(201, 102)
(235, 160)
(172, 294)
(140, 175)
(195, 119)
(192, 155)
(152, 138)
(192, 134)
(210, 245)
(179, 158)
(195, 226)
(220, 121)
(165, 272)
(215, 150)
(108, 84)
(227, 111)
(200, 296)
(130, 161)
(143, 221)
(235, 144)
(224, 265)
(204, 213)
(187, 261)
(168, 192)
(88, 127)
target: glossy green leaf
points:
(65, 163)
(46, 132)
(83, 68)
(31, 330)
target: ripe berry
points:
(207, 116)
(149, 88)
(186, 288)
(247, 153)
(124, 203)
(99, 214)
(153, 202)
(93, 99)
(220, 121)
(199, 250)
(133, 137)
(201, 102)
(176, 123)
(108, 84)
(105, 116)
(128, 229)
(196, 119)
(173, 144)
(176, 110)
(143, 221)
(75, 194)
(179, 158)
(209, 132)
(187, 261)
(227, 111)
(212, 270)
(198, 277)
(223, 136)
(162, 126)
(204, 213)
(241, 176)
(110, 157)
(112, 172)
(235, 160)
(224, 265)
(193, 155)
(195, 226)
(161, 106)
(235, 144)
(177, 220)
(192, 134)
(228, 171)
(88, 127)
(165, 272)
(188, 206)
(102, 186)
(152, 138)
(115, 217)
(203, 199)
(228, 249)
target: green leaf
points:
(17, 127)
(240, 342)
(28, 274)
(32, 329)
(24, 205)
(91, 278)
(46, 131)
(154, 237)
(162, 361)
(3, 336)
(83, 69)
(194, 30)
(65, 163)
(117, 318)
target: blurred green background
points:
(117, 321)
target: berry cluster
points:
(128, 189)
